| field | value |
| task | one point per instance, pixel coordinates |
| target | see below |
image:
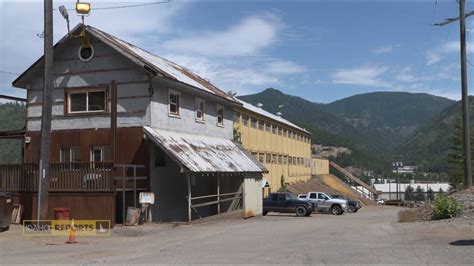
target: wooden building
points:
(281, 146)
(118, 111)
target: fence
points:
(64, 177)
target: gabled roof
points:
(145, 59)
(204, 154)
(262, 112)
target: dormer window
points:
(86, 101)
(200, 106)
(174, 103)
(220, 115)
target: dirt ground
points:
(370, 236)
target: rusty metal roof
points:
(198, 153)
(163, 66)
(149, 61)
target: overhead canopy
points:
(198, 153)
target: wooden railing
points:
(64, 177)
(18, 177)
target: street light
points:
(63, 11)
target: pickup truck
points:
(352, 205)
(286, 203)
(324, 202)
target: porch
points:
(88, 189)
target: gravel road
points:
(370, 236)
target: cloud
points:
(249, 37)
(383, 49)
(432, 58)
(20, 22)
(366, 76)
(284, 67)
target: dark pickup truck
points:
(286, 203)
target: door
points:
(323, 201)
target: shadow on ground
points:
(464, 242)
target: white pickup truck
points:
(325, 202)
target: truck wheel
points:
(300, 211)
(336, 210)
(351, 209)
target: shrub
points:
(445, 207)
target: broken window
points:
(200, 108)
(220, 115)
(174, 102)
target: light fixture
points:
(83, 8)
(63, 11)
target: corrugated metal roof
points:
(165, 67)
(262, 112)
(199, 153)
(402, 186)
(162, 66)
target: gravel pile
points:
(467, 198)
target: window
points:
(245, 120)
(255, 155)
(280, 159)
(69, 154)
(85, 53)
(274, 129)
(285, 132)
(274, 158)
(261, 157)
(268, 158)
(290, 160)
(280, 131)
(261, 124)
(220, 115)
(312, 195)
(268, 127)
(174, 103)
(199, 105)
(253, 122)
(236, 117)
(86, 101)
(100, 153)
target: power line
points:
(428, 40)
(8, 72)
(125, 6)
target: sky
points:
(319, 50)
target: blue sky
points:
(319, 50)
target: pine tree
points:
(419, 194)
(455, 156)
(430, 195)
(409, 193)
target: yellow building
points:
(319, 166)
(283, 147)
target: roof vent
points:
(207, 80)
(232, 93)
(279, 113)
(259, 105)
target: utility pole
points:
(465, 100)
(43, 188)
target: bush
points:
(445, 207)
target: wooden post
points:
(218, 195)
(188, 177)
(113, 119)
(123, 196)
(135, 186)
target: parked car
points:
(286, 203)
(352, 205)
(325, 203)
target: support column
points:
(218, 194)
(188, 177)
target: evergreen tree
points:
(455, 156)
(409, 193)
(440, 190)
(419, 194)
(430, 195)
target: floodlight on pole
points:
(64, 13)
(83, 9)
